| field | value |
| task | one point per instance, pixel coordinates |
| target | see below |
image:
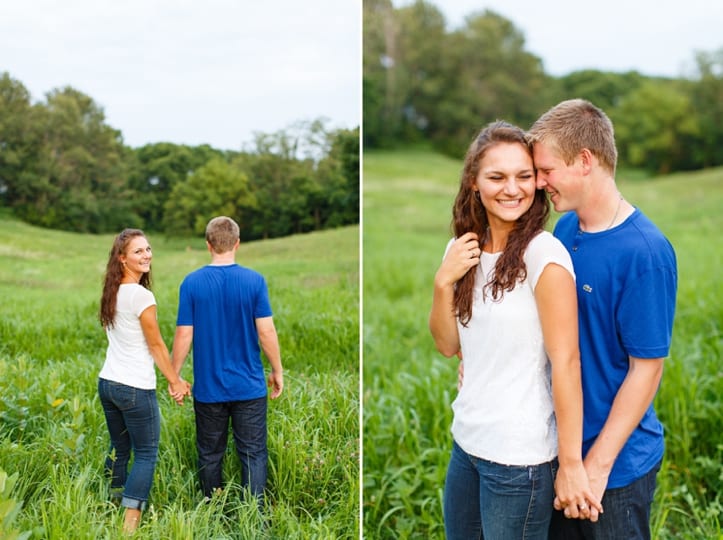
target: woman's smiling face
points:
(506, 182)
(137, 256)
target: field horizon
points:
(53, 437)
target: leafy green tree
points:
(421, 81)
(20, 140)
(337, 203)
(285, 173)
(79, 182)
(421, 43)
(604, 89)
(158, 167)
(651, 124)
(488, 75)
(382, 95)
(272, 177)
(707, 100)
(216, 188)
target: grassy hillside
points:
(408, 386)
(52, 431)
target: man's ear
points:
(586, 160)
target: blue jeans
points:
(248, 423)
(626, 515)
(134, 424)
(487, 500)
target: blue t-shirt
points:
(222, 304)
(626, 286)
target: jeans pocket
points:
(505, 479)
(123, 396)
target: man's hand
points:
(276, 383)
(179, 390)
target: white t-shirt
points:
(504, 411)
(128, 359)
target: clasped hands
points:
(179, 390)
(575, 495)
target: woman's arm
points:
(462, 255)
(557, 307)
(159, 352)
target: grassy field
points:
(53, 437)
(408, 386)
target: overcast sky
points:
(190, 71)
(654, 37)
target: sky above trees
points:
(654, 37)
(212, 72)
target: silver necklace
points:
(620, 201)
(612, 221)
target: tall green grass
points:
(408, 386)
(52, 429)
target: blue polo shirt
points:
(222, 304)
(626, 288)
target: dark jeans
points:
(487, 500)
(134, 424)
(248, 424)
(626, 515)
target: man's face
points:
(560, 180)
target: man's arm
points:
(269, 341)
(181, 346)
(632, 400)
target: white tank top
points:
(504, 411)
(128, 359)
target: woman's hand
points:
(179, 390)
(463, 254)
(574, 495)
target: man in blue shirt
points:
(626, 280)
(224, 311)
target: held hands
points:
(276, 383)
(598, 478)
(179, 390)
(575, 495)
(463, 254)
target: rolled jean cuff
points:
(134, 504)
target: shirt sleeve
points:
(142, 299)
(449, 245)
(263, 305)
(185, 306)
(545, 249)
(647, 333)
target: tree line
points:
(63, 167)
(422, 82)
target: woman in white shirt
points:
(127, 381)
(505, 302)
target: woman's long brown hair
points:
(114, 274)
(469, 215)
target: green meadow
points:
(408, 386)
(53, 437)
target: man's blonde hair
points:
(575, 124)
(222, 233)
